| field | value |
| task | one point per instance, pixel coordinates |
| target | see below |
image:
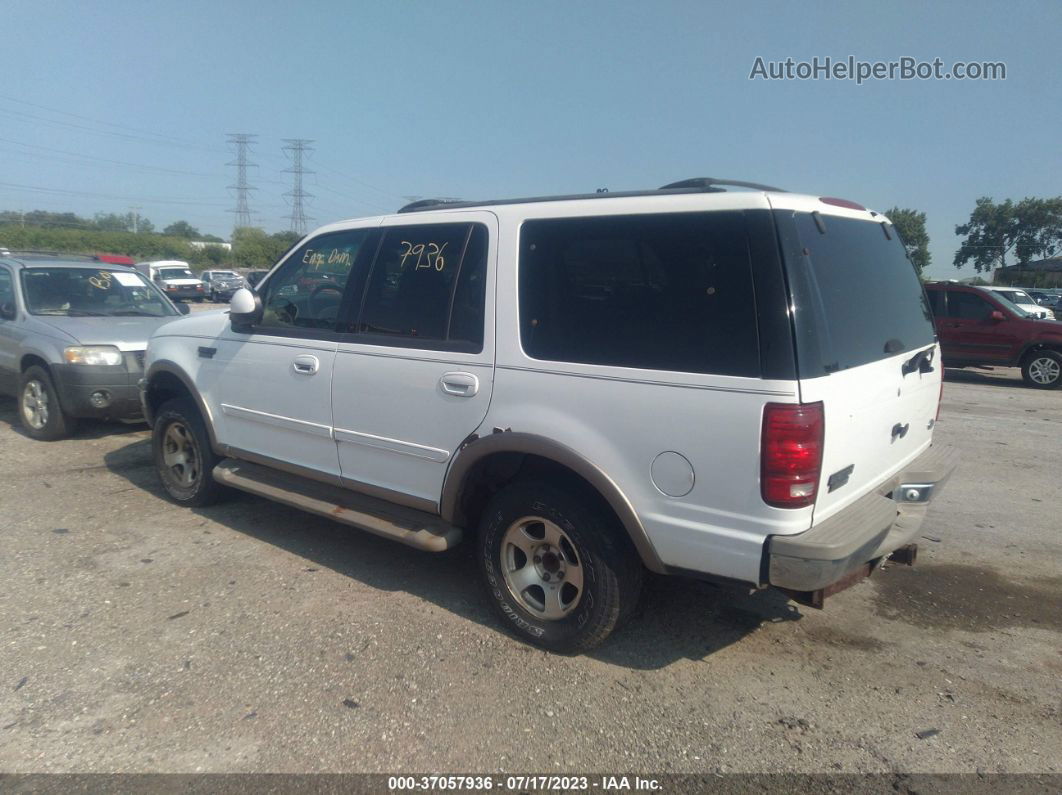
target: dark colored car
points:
(253, 277)
(978, 327)
(220, 285)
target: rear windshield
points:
(1016, 296)
(863, 294)
(666, 291)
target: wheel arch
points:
(164, 381)
(1037, 346)
(483, 465)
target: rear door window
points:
(864, 294)
(427, 288)
(661, 292)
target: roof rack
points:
(695, 185)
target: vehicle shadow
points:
(998, 376)
(677, 618)
(86, 429)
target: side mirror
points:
(245, 308)
(997, 315)
(8, 311)
(182, 307)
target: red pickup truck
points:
(977, 327)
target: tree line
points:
(112, 233)
(996, 235)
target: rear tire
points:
(184, 459)
(1042, 369)
(39, 410)
(559, 572)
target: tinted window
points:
(427, 284)
(92, 292)
(307, 290)
(936, 301)
(870, 302)
(7, 288)
(968, 306)
(661, 292)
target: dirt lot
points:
(135, 636)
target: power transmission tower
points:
(242, 142)
(296, 148)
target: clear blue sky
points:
(506, 98)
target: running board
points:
(404, 525)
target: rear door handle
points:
(306, 364)
(459, 384)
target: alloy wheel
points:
(1044, 370)
(35, 404)
(180, 454)
(541, 568)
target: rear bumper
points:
(873, 527)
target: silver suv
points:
(685, 381)
(72, 340)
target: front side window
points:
(306, 292)
(661, 292)
(88, 292)
(427, 285)
(968, 306)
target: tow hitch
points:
(905, 555)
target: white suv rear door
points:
(414, 378)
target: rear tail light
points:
(791, 453)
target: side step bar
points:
(405, 525)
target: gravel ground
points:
(136, 636)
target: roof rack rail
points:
(697, 185)
(707, 183)
(426, 204)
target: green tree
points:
(911, 226)
(182, 229)
(1027, 230)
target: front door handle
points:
(306, 364)
(459, 384)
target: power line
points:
(242, 142)
(296, 148)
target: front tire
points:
(1042, 370)
(559, 572)
(39, 410)
(183, 456)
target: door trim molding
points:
(392, 445)
(277, 420)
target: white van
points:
(686, 381)
(174, 277)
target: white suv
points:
(678, 380)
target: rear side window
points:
(867, 297)
(427, 287)
(659, 292)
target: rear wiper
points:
(921, 361)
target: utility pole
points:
(296, 148)
(242, 142)
(136, 218)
